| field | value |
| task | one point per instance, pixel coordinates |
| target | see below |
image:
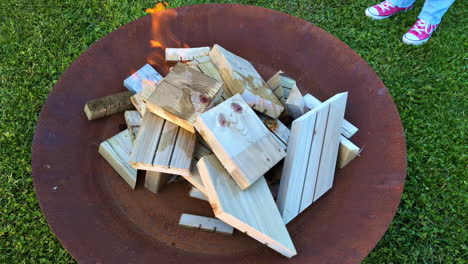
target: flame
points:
(156, 44)
(158, 7)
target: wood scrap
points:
(309, 167)
(133, 120)
(281, 85)
(163, 147)
(116, 151)
(347, 152)
(348, 129)
(155, 181)
(239, 139)
(183, 94)
(195, 193)
(134, 81)
(186, 54)
(205, 224)
(295, 103)
(252, 211)
(108, 105)
(241, 77)
(139, 99)
(277, 128)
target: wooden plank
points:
(252, 211)
(205, 224)
(138, 103)
(309, 167)
(347, 152)
(239, 139)
(206, 66)
(348, 129)
(116, 151)
(241, 77)
(195, 193)
(183, 94)
(163, 147)
(108, 105)
(133, 82)
(186, 54)
(295, 103)
(155, 181)
(133, 120)
(281, 85)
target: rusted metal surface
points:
(99, 219)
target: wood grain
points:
(186, 54)
(309, 166)
(133, 120)
(240, 77)
(116, 151)
(204, 223)
(134, 81)
(252, 211)
(184, 94)
(239, 139)
(347, 152)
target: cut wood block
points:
(347, 152)
(281, 85)
(116, 151)
(309, 167)
(277, 128)
(195, 193)
(184, 94)
(186, 54)
(139, 99)
(252, 211)
(295, 103)
(348, 129)
(240, 140)
(133, 120)
(240, 77)
(163, 147)
(201, 149)
(205, 65)
(205, 224)
(155, 181)
(133, 82)
(108, 105)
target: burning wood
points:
(199, 122)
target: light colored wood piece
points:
(133, 120)
(237, 136)
(108, 105)
(252, 211)
(281, 85)
(295, 103)
(195, 193)
(155, 181)
(133, 82)
(186, 54)
(241, 77)
(347, 152)
(205, 224)
(184, 94)
(348, 129)
(206, 66)
(116, 151)
(309, 167)
(163, 147)
(138, 103)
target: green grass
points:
(39, 39)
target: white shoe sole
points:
(413, 42)
(381, 17)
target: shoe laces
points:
(422, 26)
(386, 5)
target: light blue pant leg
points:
(434, 10)
(402, 3)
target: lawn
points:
(40, 39)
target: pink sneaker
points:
(419, 33)
(384, 10)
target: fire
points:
(158, 7)
(156, 44)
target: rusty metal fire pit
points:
(99, 219)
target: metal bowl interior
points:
(99, 219)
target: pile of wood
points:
(214, 121)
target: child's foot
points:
(419, 33)
(384, 10)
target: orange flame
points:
(156, 44)
(158, 7)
